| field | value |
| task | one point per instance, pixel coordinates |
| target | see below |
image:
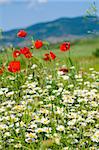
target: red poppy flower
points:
(16, 53)
(24, 50)
(65, 46)
(63, 70)
(52, 55)
(46, 57)
(28, 55)
(22, 34)
(38, 44)
(14, 66)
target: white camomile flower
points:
(95, 136)
(18, 145)
(91, 69)
(34, 66)
(70, 86)
(39, 130)
(44, 121)
(7, 134)
(60, 128)
(3, 127)
(1, 92)
(31, 135)
(93, 103)
(65, 77)
(48, 86)
(72, 68)
(52, 97)
(47, 129)
(33, 125)
(18, 108)
(17, 130)
(65, 148)
(71, 122)
(4, 90)
(29, 140)
(30, 77)
(57, 140)
(10, 94)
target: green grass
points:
(81, 53)
(41, 109)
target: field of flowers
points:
(46, 106)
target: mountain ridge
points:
(54, 31)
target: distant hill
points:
(54, 31)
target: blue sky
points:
(22, 13)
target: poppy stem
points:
(71, 63)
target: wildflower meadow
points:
(46, 105)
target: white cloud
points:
(4, 2)
(34, 3)
(30, 2)
(42, 1)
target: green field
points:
(81, 53)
